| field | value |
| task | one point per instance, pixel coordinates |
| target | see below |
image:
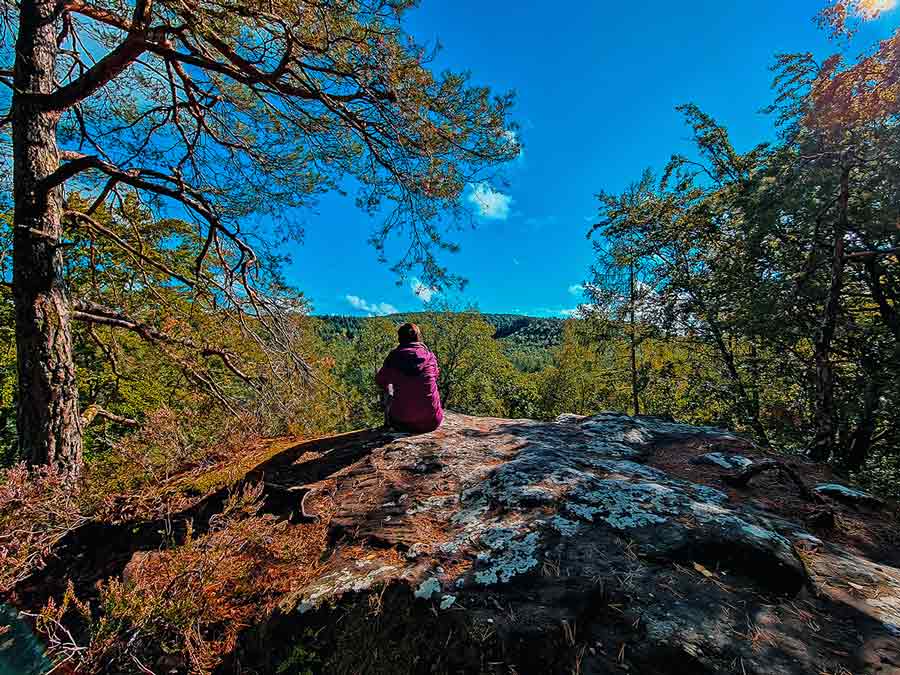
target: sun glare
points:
(872, 9)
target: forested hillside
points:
(513, 329)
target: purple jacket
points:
(413, 371)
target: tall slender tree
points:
(619, 306)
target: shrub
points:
(38, 506)
(183, 608)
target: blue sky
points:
(596, 87)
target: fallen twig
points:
(742, 479)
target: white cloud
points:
(516, 261)
(421, 291)
(488, 202)
(376, 309)
(550, 312)
(576, 289)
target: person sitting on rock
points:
(410, 372)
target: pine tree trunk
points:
(823, 442)
(49, 426)
(825, 415)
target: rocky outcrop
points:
(586, 545)
(602, 544)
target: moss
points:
(231, 472)
(228, 473)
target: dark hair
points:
(409, 332)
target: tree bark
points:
(823, 442)
(49, 426)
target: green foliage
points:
(578, 380)
(526, 332)
(357, 361)
(476, 376)
(471, 362)
(714, 298)
(234, 130)
(154, 362)
(528, 359)
(769, 287)
(517, 332)
(8, 380)
(881, 473)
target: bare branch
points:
(121, 243)
(742, 479)
(866, 255)
(91, 312)
(95, 411)
(98, 14)
(93, 79)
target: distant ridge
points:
(515, 330)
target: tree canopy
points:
(224, 119)
(782, 260)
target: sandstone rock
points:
(515, 546)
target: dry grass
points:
(151, 475)
(38, 506)
(184, 608)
